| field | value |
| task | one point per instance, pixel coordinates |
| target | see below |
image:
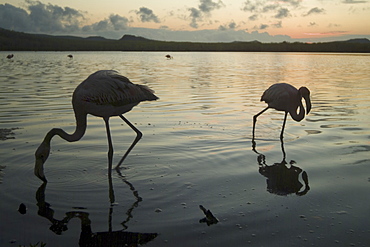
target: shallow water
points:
(196, 150)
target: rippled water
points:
(196, 150)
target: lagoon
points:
(196, 150)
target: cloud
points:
(333, 25)
(227, 35)
(263, 6)
(40, 18)
(230, 26)
(261, 27)
(278, 25)
(353, 1)
(48, 17)
(206, 6)
(282, 13)
(294, 3)
(331, 33)
(113, 23)
(195, 16)
(147, 15)
(249, 6)
(253, 17)
(118, 22)
(14, 18)
(315, 10)
(52, 19)
(270, 7)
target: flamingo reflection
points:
(88, 238)
(283, 178)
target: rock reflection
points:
(282, 178)
(89, 238)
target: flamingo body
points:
(103, 94)
(285, 97)
(107, 93)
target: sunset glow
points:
(241, 20)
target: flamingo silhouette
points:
(103, 94)
(285, 97)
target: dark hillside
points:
(18, 41)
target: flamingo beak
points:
(39, 170)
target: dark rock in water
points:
(22, 208)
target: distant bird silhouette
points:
(70, 56)
(168, 56)
(285, 97)
(103, 94)
(10, 56)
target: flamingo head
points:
(305, 93)
(41, 155)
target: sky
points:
(193, 20)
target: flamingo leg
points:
(282, 130)
(138, 137)
(282, 149)
(110, 161)
(254, 124)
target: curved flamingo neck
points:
(81, 121)
(298, 117)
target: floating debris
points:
(210, 219)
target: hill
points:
(365, 41)
(19, 41)
(128, 37)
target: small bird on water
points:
(103, 94)
(285, 97)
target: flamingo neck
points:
(298, 116)
(81, 121)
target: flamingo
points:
(103, 94)
(285, 97)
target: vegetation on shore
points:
(18, 41)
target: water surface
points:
(196, 150)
